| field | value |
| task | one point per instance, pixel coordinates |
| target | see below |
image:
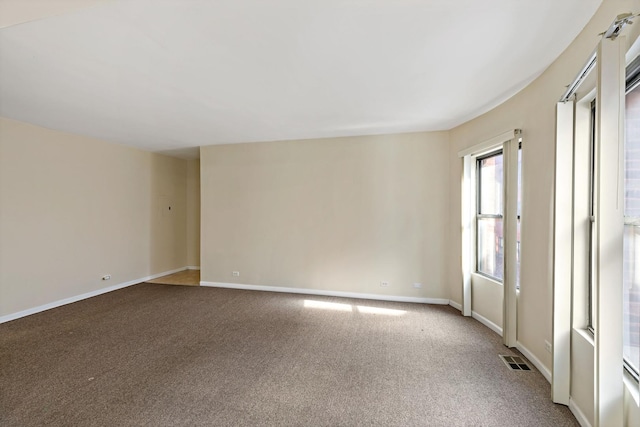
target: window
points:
(489, 219)
(631, 239)
(597, 243)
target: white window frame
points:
(509, 142)
(478, 213)
(631, 371)
(607, 240)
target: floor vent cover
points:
(515, 363)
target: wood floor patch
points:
(184, 278)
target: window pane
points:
(631, 240)
(491, 185)
(632, 155)
(631, 296)
(490, 247)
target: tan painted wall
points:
(193, 213)
(533, 111)
(73, 209)
(487, 298)
(339, 214)
(582, 368)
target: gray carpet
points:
(155, 355)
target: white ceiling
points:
(172, 74)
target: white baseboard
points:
(536, 362)
(76, 298)
(193, 267)
(486, 322)
(580, 416)
(455, 305)
(328, 293)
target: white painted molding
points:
(580, 416)
(632, 387)
(563, 256)
(455, 305)
(609, 232)
(468, 230)
(192, 267)
(536, 362)
(80, 297)
(510, 150)
(486, 322)
(488, 145)
(327, 293)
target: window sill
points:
(629, 381)
(588, 336)
(632, 387)
(487, 278)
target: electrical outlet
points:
(547, 345)
(384, 284)
(417, 285)
(106, 277)
(235, 273)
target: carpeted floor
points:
(155, 355)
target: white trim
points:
(486, 322)
(192, 267)
(510, 225)
(488, 144)
(86, 295)
(507, 142)
(609, 232)
(632, 387)
(633, 51)
(581, 77)
(486, 277)
(455, 305)
(563, 240)
(440, 301)
(468, 232)
(586, 335)
(580, 416)
(536, 362)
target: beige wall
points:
(487, 299)
(533, 111)
(582, 368)
(193, 213)
(339, 214)
(73, 209)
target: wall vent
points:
(515, 363)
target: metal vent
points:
(515, 363)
